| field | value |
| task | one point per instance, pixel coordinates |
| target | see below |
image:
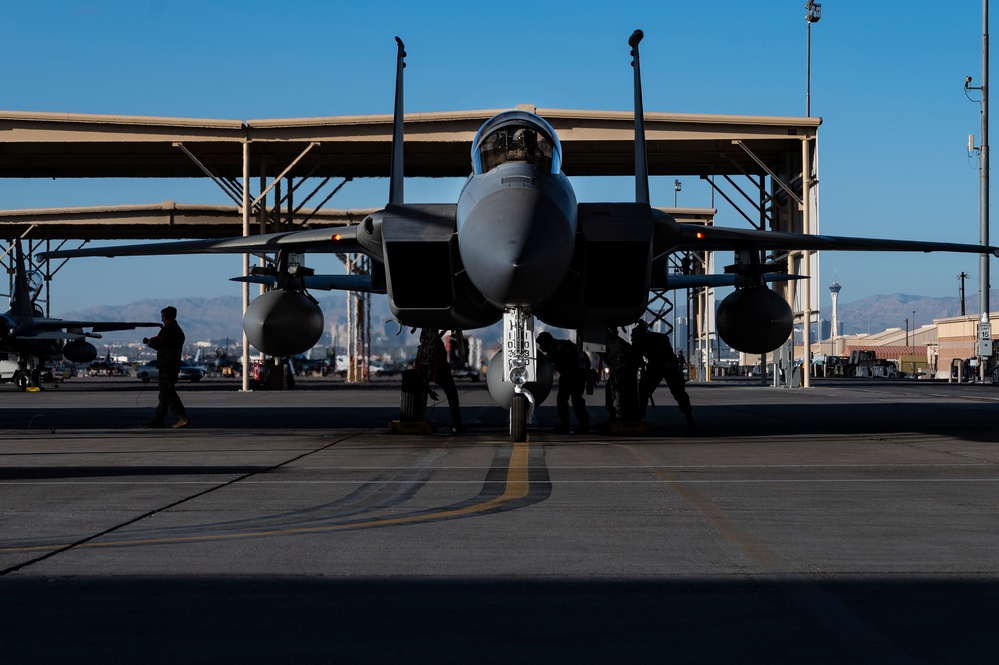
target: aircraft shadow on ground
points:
(971, 421)
(77, 472)
(274, 619)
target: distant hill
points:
(215, 319)
(881, 312)
(201, 318)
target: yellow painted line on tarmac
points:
(760, 554)
(517, 487)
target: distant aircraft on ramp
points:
(518, 247)
(35, 340)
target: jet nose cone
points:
(516, 245)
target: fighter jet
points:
(517, 246)
(33, 340)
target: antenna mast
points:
(984, 325)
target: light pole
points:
(985, 323)
(984, 347)
(834, 290)
(963, 276)
(677, 186)
(813, 12)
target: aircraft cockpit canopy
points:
(35, 283)
(516, 136)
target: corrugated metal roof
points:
(889, 352)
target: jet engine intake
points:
(283, 323)
(79, 351)
(754, 320)
(610, 272)
(425, 278)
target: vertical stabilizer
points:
(641, 157)
(20, 303)
(395, 184)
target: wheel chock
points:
(620, 428)
(420, 427)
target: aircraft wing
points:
(718, 238)
(344, 240)
(679, 281)
(362, 283)
(335, 240)
(47, 335)
(72, 329)
(108, 326)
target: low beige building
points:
(958, 337)
(931, 349)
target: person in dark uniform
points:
(622, 396)
(169, 345)
(661, 363)
(562, 354)
(435, 367)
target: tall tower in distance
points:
(834, 292)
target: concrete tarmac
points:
(855, 521)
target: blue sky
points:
(886, 79)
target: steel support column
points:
(245, 378)
(806, 268)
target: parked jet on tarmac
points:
(517, 246)
(35, 340)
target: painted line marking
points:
(517, 486)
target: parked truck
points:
(864, 364)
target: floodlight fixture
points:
(813, 11)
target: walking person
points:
(169, 345)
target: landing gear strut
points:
(520, 368)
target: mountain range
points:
(215, 319)
(877, 313)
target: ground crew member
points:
(563, 356)
(661, 363)
(434, 366)
(169, 345)
(622, 397)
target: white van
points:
(7, 369)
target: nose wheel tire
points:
(518, 418)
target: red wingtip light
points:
(336, 237)
(700, 235)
